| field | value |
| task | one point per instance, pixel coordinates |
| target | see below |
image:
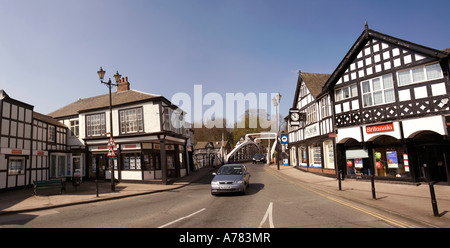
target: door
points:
(432, 164)
(98, 166)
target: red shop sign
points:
(380, 128)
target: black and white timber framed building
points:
(390, 102)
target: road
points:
(270, 201)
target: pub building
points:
(148, 147)
(391, 110)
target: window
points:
(51, 134)
(311, 115)
(131, 121)
(131, 161)
(419, 74)
(315, 156)
(167, 114)
(328, 152)
(346, 92)
(325, 107)
(378, 90)
(303, 91)
(74, 128)
(96, 125)
(59, 166)
(16, 166)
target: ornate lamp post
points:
(276, 102)
(117, 77)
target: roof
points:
(47, 119)
(314, 82)
(102, 101)
(369, 34)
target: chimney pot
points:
(123, 85)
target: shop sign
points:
(312, 131)
(380, 128)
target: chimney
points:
(123, 85)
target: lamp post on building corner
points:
(109, 84)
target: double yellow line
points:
(376, 215)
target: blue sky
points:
(50, 50)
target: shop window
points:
(302, 156)
(131, 161)
(328, 152)
(148, 164)
(16, 165)
(357, 162)
(389, 158)
(315, 156)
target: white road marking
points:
(268, 214)
(182, 218)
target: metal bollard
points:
(96, 186)
(372, 181)
(339, 179)
(433, 199)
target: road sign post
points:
(111, 144)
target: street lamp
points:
(117, 77)
(276, 102)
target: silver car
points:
(230, 178)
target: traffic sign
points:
(111, 152)
(284, 139)
(111, 142)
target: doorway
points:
(432, 154)
(98, 166)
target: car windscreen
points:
(230, 170)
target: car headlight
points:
(239, 182)
(214, 183)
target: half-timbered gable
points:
(383, 78)
(311, 147)
(391, 103)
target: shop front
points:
(314, 155)
(384, 154)
(137, 161)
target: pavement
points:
(23, 200)
(407, 200)
(411, 201)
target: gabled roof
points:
(369, 34)
(3, 94)
(48, 119)
(314, 82)
(102, 101)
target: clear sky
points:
(50, 50)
